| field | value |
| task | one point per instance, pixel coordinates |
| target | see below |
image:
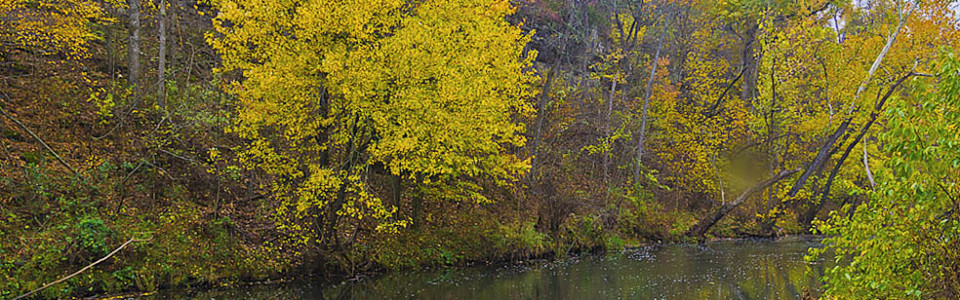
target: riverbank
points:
(188, 243)
(189, 253)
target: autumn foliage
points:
(357, 136)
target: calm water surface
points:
(735, 269)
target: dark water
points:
(736, 269)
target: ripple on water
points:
(751, 269)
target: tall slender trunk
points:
(646, 105)
(417, 203)
(174, 47)
(542, 114)
(161, 66)
(606, 129)
(772, 133)
(110, 40)
(133, 49)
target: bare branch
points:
(34, 135)
(131, 240)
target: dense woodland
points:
(227, 141)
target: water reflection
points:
(738, 269)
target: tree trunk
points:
(111, 45)
(822, 155)
(772, 133)
(748, 87)
(171, 36)
(417, 205)
(161, 66)
(133, 49)
(542, 114)
(815, 167)
(396, 189)
(807, 217)
(329, 234)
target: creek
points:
(727, 269)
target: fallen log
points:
(704, 225)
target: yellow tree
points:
(331, 91)
(58, 26)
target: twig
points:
(124, 181)
(115, 126)
(81, 270)
(723, 195)
(955, 200)
(866, 166)
(5, 151)
(24, 127)
(131, 172)
(165, 172)
(712, 111)
(178, 156)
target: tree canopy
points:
(433, 90)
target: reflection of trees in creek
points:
(744, 269)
